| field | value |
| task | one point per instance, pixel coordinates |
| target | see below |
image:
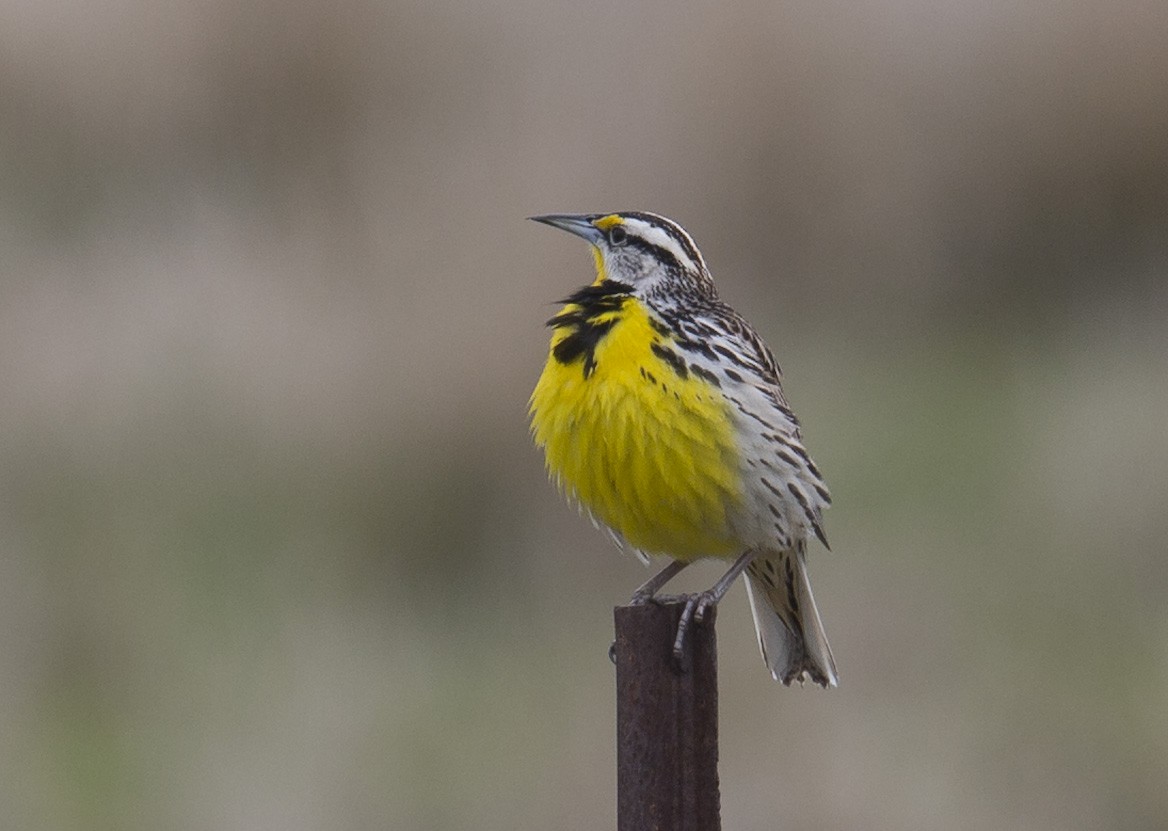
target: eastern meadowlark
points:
(660, 411)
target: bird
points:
(660, 411)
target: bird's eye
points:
(617, 235)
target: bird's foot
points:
(694, 612)
(641, 597)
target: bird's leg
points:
(696, 604)
(713, 596)
(654, 584)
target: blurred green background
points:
(276, 551)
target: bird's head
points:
(650, 254)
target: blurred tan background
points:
(276, 552)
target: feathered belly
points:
(648, 447)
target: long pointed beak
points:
(578, 224)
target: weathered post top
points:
(667, 721)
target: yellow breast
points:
(647, 446)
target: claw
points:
(705, 601)
(682, 627)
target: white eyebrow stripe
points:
(658, 236)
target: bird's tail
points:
(790, 632)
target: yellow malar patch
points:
(601, 272)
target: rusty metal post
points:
(666, 722)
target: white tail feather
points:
(790, 632)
